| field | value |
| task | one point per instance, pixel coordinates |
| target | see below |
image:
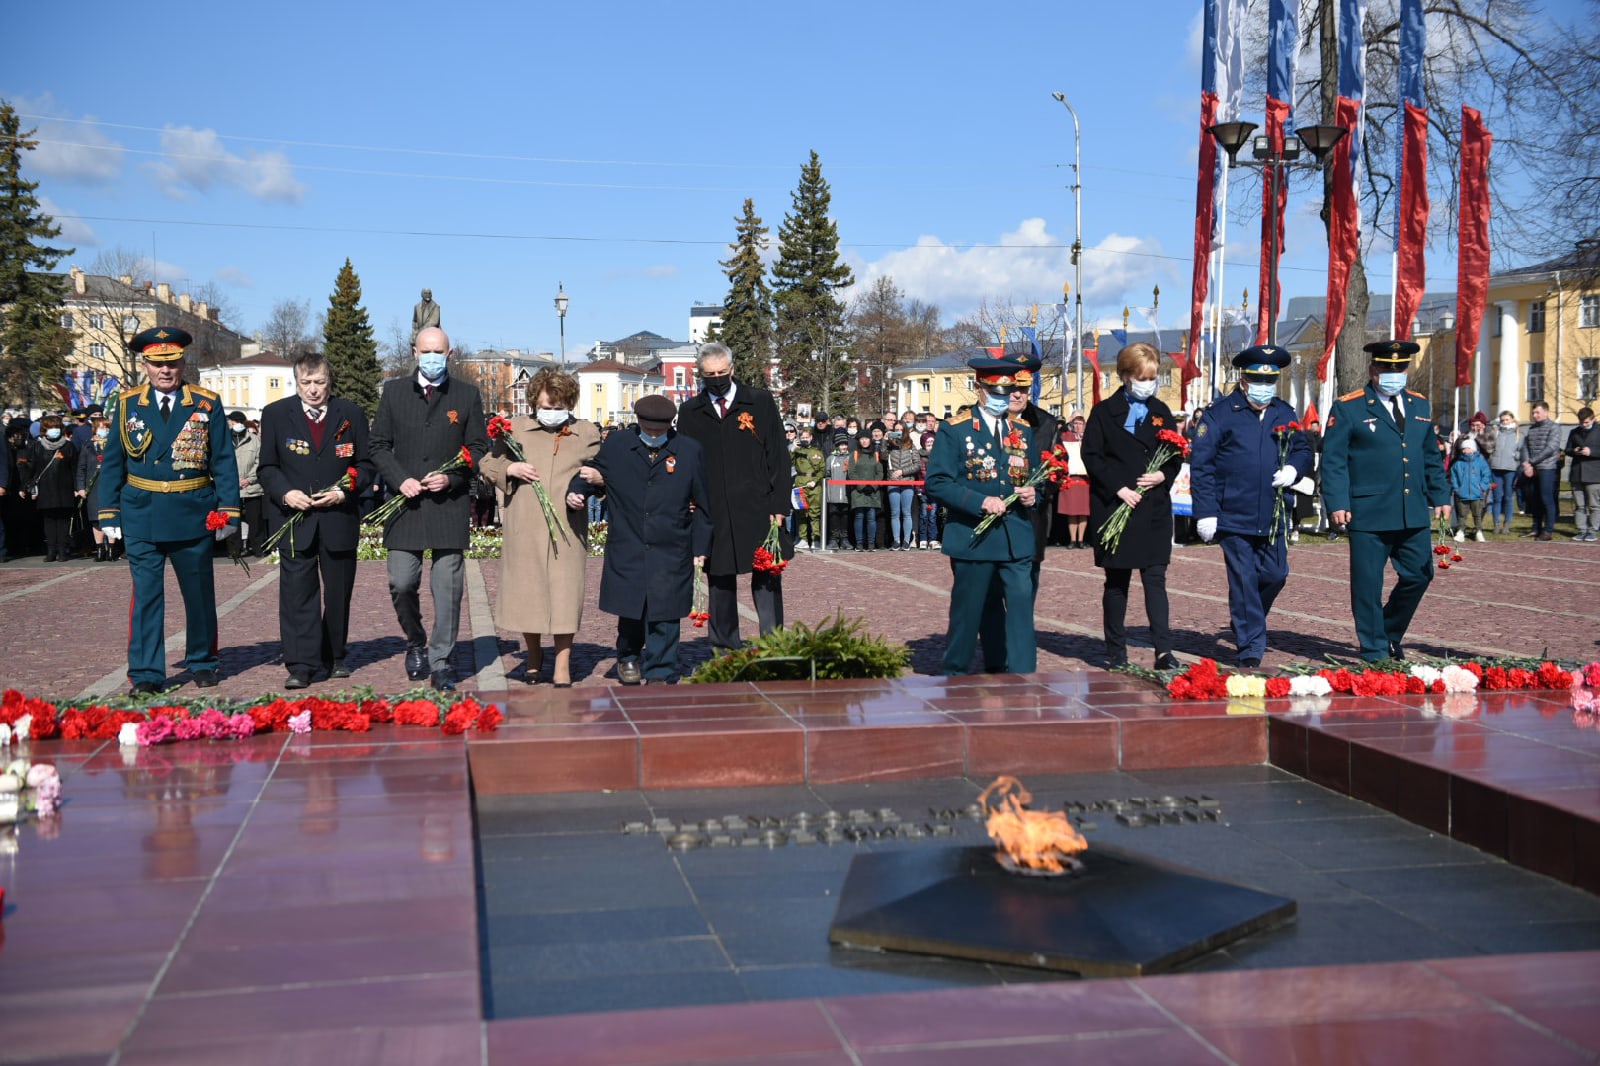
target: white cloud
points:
(72, 151)
(195, 161)
(231, 275)
(74, 232)
(1025, 265)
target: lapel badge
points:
(672, 463)
(454, 418)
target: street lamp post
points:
(1318, 140)
(1077, 244)
(561, 316)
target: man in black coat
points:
(424, 422)
(314, 463)
(751, 482)
(656, 541)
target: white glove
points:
(1285, 477)
(112, 532)
(1207, 528)
(227, 531)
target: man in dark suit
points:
(423, 422)
(751, 481)
(168, 467)
(314, 463)
(656, 540)
(1383, 479)
(975, 464)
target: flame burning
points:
(1036, 840)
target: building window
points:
(1535, 383)
(66, 320)
(948, 384)
(926, 384)
(1589, 379)
(130, 324)
(1535, 316)
(947, 412)
(1589, 311)
(677, 377)
(97, 321)
(98, 351)
(273, 383)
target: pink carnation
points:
(241, 726)
(155, 731)
(300, 723)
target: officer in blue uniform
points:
(168, 466)
(1244, 458)
(975, 463)
(1383, 478)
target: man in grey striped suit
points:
(424, 421)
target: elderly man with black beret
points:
(660, 534)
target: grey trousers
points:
(1586, 507)
(445, 579)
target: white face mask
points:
(552, 419)
(1142, 390)
(1391, 384)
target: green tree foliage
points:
(348, 343)
(812, 341)
(747, 312)
(34, 347)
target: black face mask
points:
(719, 384)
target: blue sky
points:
(491, 151)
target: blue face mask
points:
(53, 434)
(1261, 395)
(653, 440)
(996, 404)
(1391, 384)
(432, 364)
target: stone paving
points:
(1508, 596)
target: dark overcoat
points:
(747, 472)
(413, 436)
(1236, 453)
(968, 464)
(51, 472)
(87, 480)
(289, 460)
(1115, 458)
(1046, 431)
(1386, 476)
(654, 535)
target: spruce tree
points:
(747, 312)
(348, 343)
(34, 347)
(812, 342)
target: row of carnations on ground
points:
(1204, 681)
(30, 716)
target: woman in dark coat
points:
(48, 468)
(87, 483)
(1118, 444)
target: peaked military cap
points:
(1263, 359)
(1392, 353)
(1009, 369)
(161, 344)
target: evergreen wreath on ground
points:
(836, 649)
(159, 720)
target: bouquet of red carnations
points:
(555, 522)
(345, 484)
(216, 520)
(1445, 552)
(769, 557)
(1170, 443)
(1052, 467)
(381, 515)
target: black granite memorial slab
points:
(1121, 915)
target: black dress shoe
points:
(297, 680)
(339, 669)
(206, 679)
(416, 661)
(1397, 653)
(1168, 661)
(1249, 664)
(444, 680)
(628, 672)
(146, 688)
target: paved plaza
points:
(1507, 597)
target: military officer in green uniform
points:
(810, 471)
(168, 468)
(1383, 479)
(975, 464)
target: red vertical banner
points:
(1093, 355)
(1472, 256)
(1411, 249)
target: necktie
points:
(1399, 414)
(427, 392)
(722, 407)
(166, 408)
(314, 413)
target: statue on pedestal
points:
(424, 315)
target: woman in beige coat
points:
(541, 579)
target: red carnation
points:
(216, 520)
(1415, 685)
(466, 457)
(1277, 687)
